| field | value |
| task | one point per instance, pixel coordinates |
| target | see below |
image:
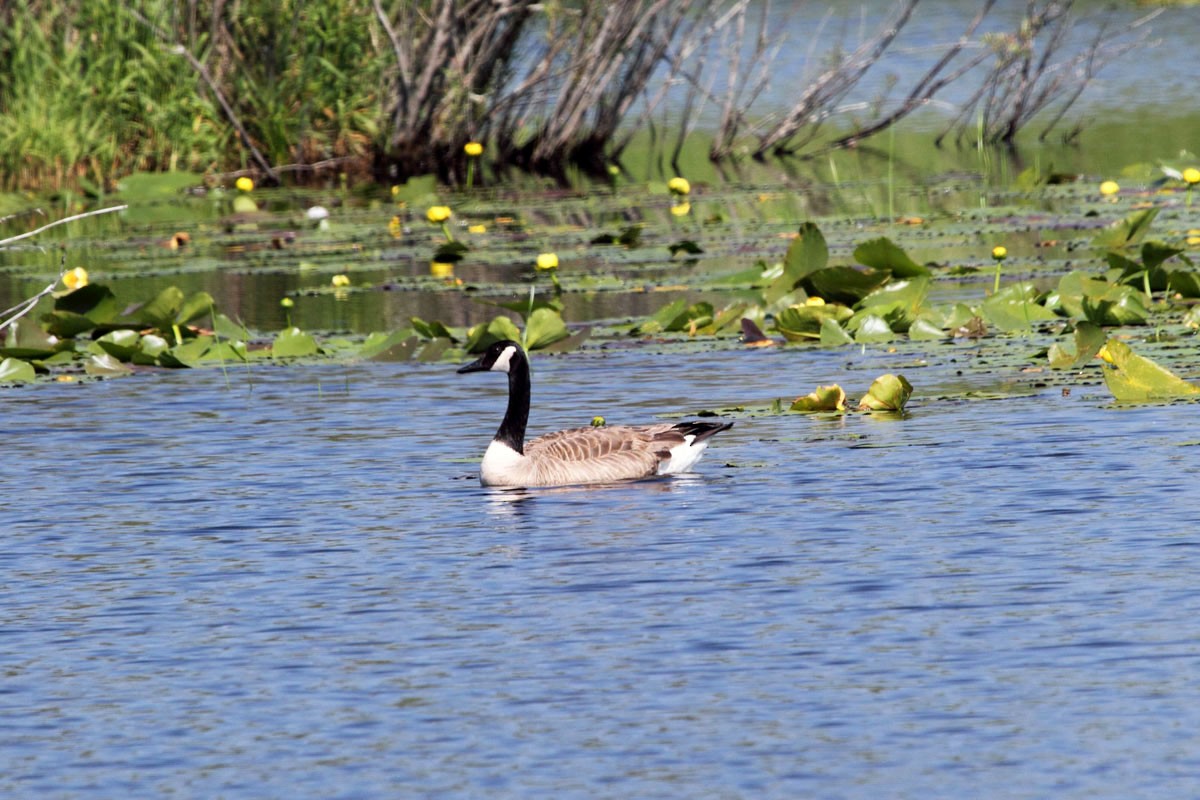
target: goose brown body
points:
(579, 455)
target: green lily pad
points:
(883, 254)
(1134, 378)
(14, 370)
(544, 327)
(80, 311)
(833, 334)
(391, 346)
(808, 253)
(105, 366)
(294, 343)
(823, 398)
(188, 354)
(1089, 339)
(1015, 308)
(482, 336)
(845, 284)
(887, 393)
(432, 329)
(801, 323)
(869, 328)
(1130, 230)
(923, 330)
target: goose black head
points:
(500, 357)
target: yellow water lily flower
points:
(75, 278)
(395, 227)
(477, 229)
(439, 213)
(340, 280)
(1191, 175)
(440, 269)
(598, 422)
(1193, 236)
(681, 209)
(679, 186)
(473, 149)
(244, 184)
(815, 301)
(287, 302)
(547, 261)
(999, 252)
(1104, 355)
(1109, 188)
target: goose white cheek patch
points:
(504, 360)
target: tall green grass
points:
(91, 90)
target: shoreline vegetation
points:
(382, 90)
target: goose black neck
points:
(512, 429)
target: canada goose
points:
(578, 455)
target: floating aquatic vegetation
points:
(1134, 378)
(887, 393)
(1089, 339)
(823, 398)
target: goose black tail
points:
(702, 430)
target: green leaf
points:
(1088, 340)
(482, 336)
(1155, 253)
(393, 346)
(1185, 282)
(80, 310)
(197, 305)
(1134, 378)
(833, 334)
(105, 366)
(869, 328)
(1128, 231)
(823, 398)
(1015, 308)
(228, 329)
(883, 254)
(1120, 305)
(922, 330)
(800, 323)
(188, 354)
(899, 302)
(527, 306)
(664, 318)
(66, 324)
(161, 311)
(95, 301)
(544, 327)
(845, 284)
(887, 393)
(294, 343)
(808, 253)
(14, 371)
(432, 330)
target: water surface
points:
(292, 582)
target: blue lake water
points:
(290, 584)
